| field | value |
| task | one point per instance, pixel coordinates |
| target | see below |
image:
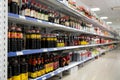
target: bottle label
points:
(27, 36)
(23, 12)
(35, 14)
(33, 36)
(32, 13)
(13, 35)
(27, 12)
(19, 35)
(48, 39)
(42, 16)
(9, 33)
(46, 17)
(18, 77)
(33, 74)
(24, 76)
(39, 15)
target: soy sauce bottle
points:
(28, 39)
(9, 71)
(16, 70)
(19, 38)
(24, 69)
(14, 6)
(12, 35)
(9, 2)
(38, 39)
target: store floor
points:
(107, 67)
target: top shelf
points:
(45, 24)
(64, 8)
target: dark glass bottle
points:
(19, 38)
(16, 70)
(24, 69)
(14, 6)
(9, 71)
(12, 38)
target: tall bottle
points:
(19, 38)
(9, 71)
(24, 69)
(16, 70)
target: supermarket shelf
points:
(61, 6)
(26, 52)
(72, 64)
(45, 24)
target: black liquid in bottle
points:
(14, 6)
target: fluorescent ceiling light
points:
(103, 17)
(109, 22)
(95, 9)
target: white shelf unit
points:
(5, 17)
(3, 39)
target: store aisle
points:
(106, 67)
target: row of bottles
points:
(36, 65)
(20, 38)
(15, 38)
(32, 66)
(17, 69)
(34, 9)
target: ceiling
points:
(105, 6)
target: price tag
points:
(44, 78)
(52, 74)
(50, 23)
(59, 71)
(39, 21)
(45, 50)
(22, 17)
(55, 49)
(19, 53)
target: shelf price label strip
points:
(26, 52)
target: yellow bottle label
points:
(24, 76)
(33, 74)
(9, 78)
(16, 77)
(27, 12)
(33, 36)
(43, 71)
(39, 73)
(48, 39)
(28, 36)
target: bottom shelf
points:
(72, 64)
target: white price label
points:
(50, 23)
(39, 21)
(43, 78)
(19, 53)
(45, 50)
(22, 17)
(55, 49)
(52, 74)
(59, 71)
